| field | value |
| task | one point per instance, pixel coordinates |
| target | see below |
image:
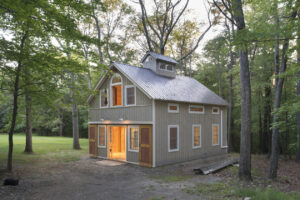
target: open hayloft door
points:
(145, 155)
(93, 140)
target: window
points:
(196, 136)
(101, 136)
(116, 90)
(215, 134)
(130, 95)
(196, 109)
(103, 98)
(215, 110)
(173, 108)
(133, 138)
(169, 67)
(173, 138)
(162, 66)
(166, 67)
(149, 58)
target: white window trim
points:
(216, 113)
(101, 98)
(99, 136)
(212, 134)
(111, 91)
(130, 86)
(173, 126)
(200, 129)
(129, 141)
(173, 111)
(196, 112)
(166, 67)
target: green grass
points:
(221, 190)
(47, 150)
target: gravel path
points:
(91, 179)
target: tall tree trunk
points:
(260, 131)
(15, 103)
(28, 105)
(61, 124)
(265, 142)
(74, 115)
(277, 101)
(99, 37)
(245, 143)
(298, 93)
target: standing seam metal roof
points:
(159, 57)
(180, 88)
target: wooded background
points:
(53, 52)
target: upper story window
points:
(173, 108)
(149, 58)
(116, 90)
(196, 109)
(166, 67)
(215, 110)
(103, 98)
(130, 95)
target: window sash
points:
(173, 138)
(102, 136)
(195, 109)
(196, 136)
(133, 139)
(215, 134)
(130, 95)
(215, 110)
(173, 108)
(103, 98)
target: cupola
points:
(160, 64)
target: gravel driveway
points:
(101, 180)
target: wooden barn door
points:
(93, 140)
(145, 155)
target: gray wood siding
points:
(142, 111)
(132, 156)
(185, 120)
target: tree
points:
(162, 22)
(236, 11)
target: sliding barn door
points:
(93, 140)
(145, 155)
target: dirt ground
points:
(89, 179)
(102, 179)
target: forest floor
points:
(55, 171)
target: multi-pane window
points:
(166, 67)
(173, 138)
(196, 136)
(116, 86)
(215, 134)
(133, 138)
(215, 110)
(101, 136)
(196, 109)
(103, 98)
(130, 95)
(173, 108)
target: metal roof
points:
(159, 57)
(180, 88)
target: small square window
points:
(162, 66)
(215, 110)
(173, 108)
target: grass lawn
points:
(47, 149)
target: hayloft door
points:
(93, 140)
(145, 153)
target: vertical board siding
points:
(185, 120)
(141, 112)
